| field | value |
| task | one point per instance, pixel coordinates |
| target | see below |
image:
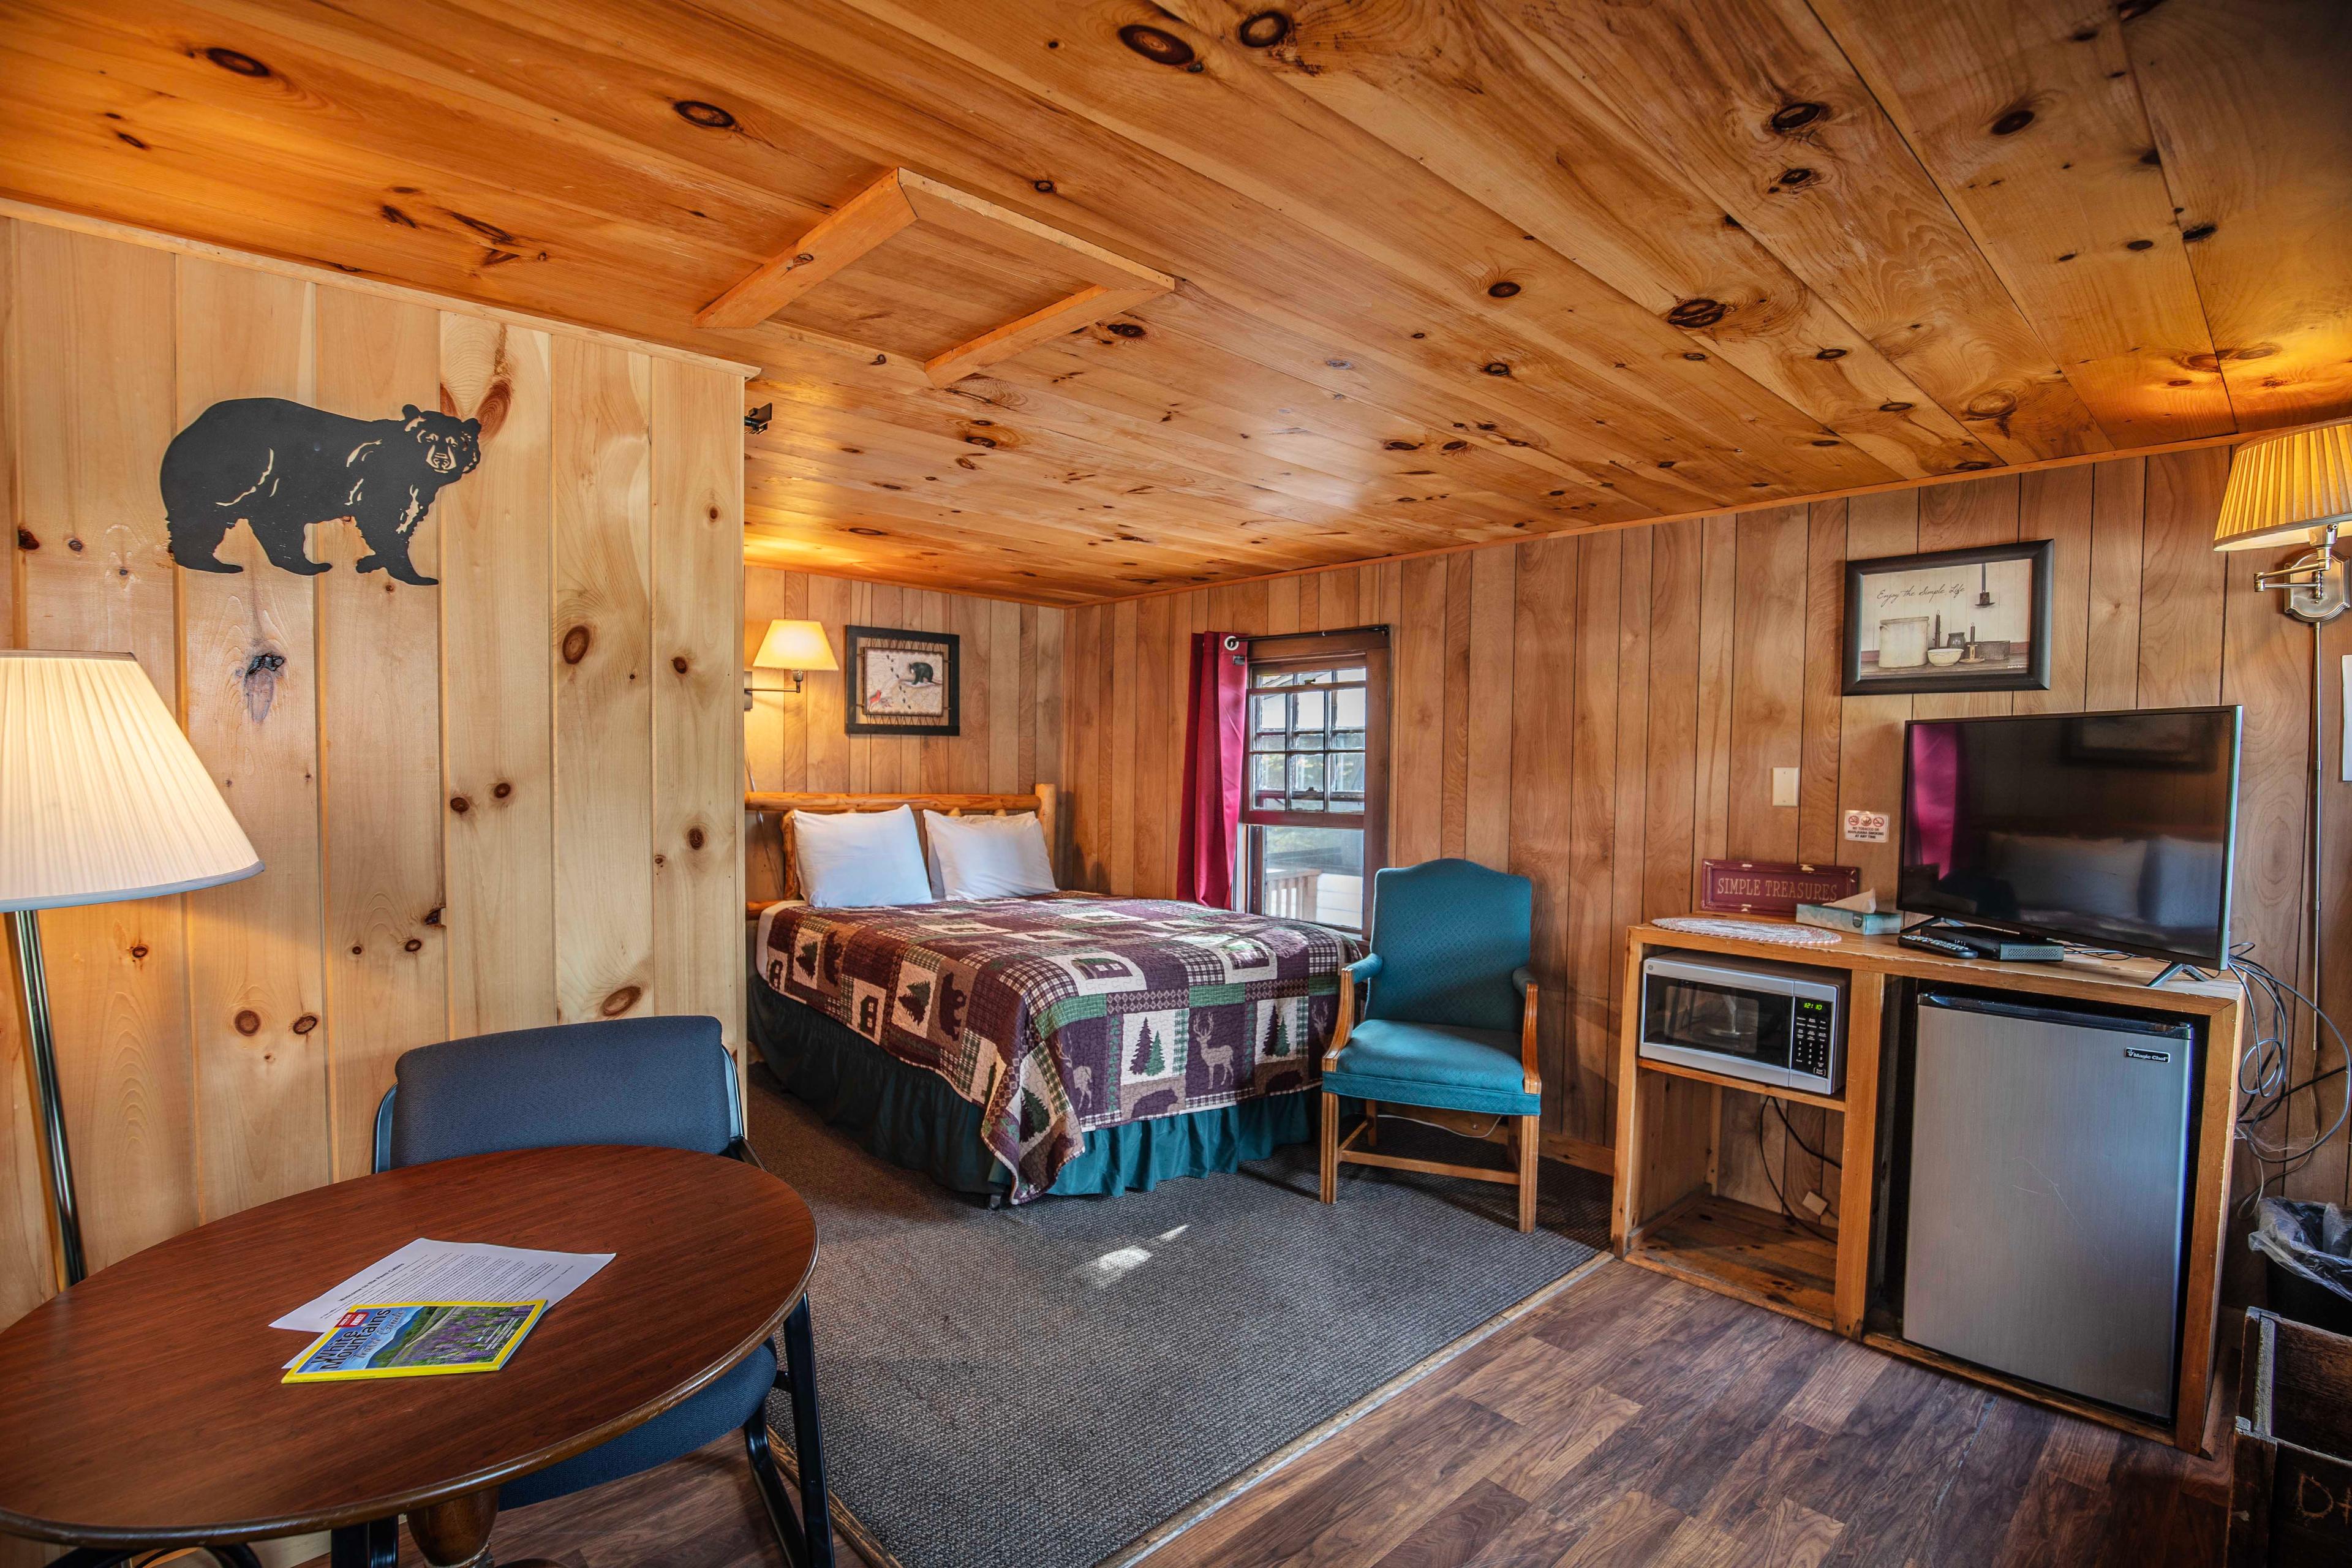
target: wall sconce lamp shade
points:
(794, 645)
(2283, 489)
(101, 797)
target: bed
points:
(1069, 1044)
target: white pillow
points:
(859, 859)
(990, 857)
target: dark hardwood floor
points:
(1634, 1420)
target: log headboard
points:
(768, 869)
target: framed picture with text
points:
(1957, 620)
(903, 682)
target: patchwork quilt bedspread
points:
(1057, 1014)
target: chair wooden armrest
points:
(1342, 1025)
(1526, 980)
(1351, 975)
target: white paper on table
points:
(451, 1271)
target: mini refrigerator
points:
(2049, 1182)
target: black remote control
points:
(1942, 944)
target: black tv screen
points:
(2108, 830)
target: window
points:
(1315, 813)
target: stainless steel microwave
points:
(1779, 1025)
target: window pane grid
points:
(1307, 741)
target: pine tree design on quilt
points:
(1277, 1038)
(1034, 1118)
(1148, 1062)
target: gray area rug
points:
(1038, 1387)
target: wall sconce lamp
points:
(796, 646)
(2289, 489)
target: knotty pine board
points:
(697, 681)
(498, 589)
(117, 973)
(251, 702)
(603, 684)
(1656, 676)
(221, 1048)
(380, 746)
(1543, 717)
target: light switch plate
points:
(1784, 786)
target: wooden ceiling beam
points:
(902, 199)
(977, 219)
(1088, 305)
(853, 230)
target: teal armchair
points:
(1450, 1026)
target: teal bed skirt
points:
(911, 1118)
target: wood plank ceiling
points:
(1448, 270)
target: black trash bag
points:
(2309, 1249)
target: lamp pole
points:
(25, 941)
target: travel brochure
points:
(432, 1307)
(418, 1339)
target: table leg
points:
(808, 1435)
(457, 1533)
(375, 1544)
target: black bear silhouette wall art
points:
(278, 467)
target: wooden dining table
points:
(146, 1406)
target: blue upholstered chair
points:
(660, 1082)
(1451, 1022)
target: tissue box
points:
(1875, 922)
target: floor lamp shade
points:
(101, 797)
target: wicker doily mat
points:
(1752, 931)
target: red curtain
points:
(1214, 759)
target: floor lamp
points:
(2288, 489)
(101, 799)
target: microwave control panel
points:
(1809, 1047)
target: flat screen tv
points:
(2107, 830)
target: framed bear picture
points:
(903, 682)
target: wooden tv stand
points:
(1665, 1215)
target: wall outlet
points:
(1784, 786)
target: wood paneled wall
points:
(1602, 713)
(509, 800)
(1012, 702)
